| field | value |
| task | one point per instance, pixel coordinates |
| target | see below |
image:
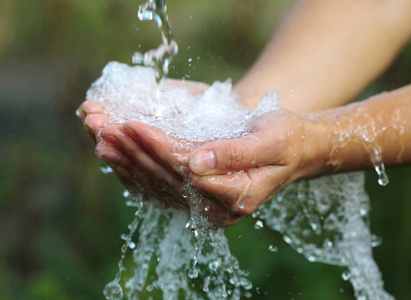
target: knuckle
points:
(235, 156)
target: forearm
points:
(351, 137)
(325, 52)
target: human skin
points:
(239, 175)
(324, 53)
(302, 141)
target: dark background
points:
(60, 217)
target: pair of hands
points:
(235, 176)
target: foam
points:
(132, 94)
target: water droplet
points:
(314, 226)
(258, 225)
(346, 275)
(193, 273)
(241, 205)
(376, 159)
(214, 265)
(106, 169)
(287, 239)
(272, 248)
(375, 240)
(132, 245)
(126, 194)
(113, 291)
(363, 212)
(383, 179)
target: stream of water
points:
(325, 219)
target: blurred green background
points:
(60, 217)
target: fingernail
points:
(85, 109)
(104, 152)
(111, 138)
(203, 162)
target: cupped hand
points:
(234, 176)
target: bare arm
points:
(325, 52)
(352, 137)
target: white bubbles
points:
(131, 93)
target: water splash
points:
(113, 289)
(164, 263)
(324, 219)
(159, 59)
(339, 207)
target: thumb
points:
(225, 156)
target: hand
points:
(236, 176)
(94, 118)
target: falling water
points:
(324, 219)
(159, 58)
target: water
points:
(327, 221)
(178, 255)
(324, 219)
(376, 159)
(159, 59)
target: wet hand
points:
(235, 176)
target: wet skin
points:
(236, 176)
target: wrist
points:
(318, 147)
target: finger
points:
(92, 107)
(141, 160)
(157, 144)
(235, 191)
(112, 155)
(243, 192)
(275, 139)
(95, 122)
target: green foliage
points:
(60, 218)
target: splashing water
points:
(324, 219)
(177, 255)
(327, 221)
(159, 58)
